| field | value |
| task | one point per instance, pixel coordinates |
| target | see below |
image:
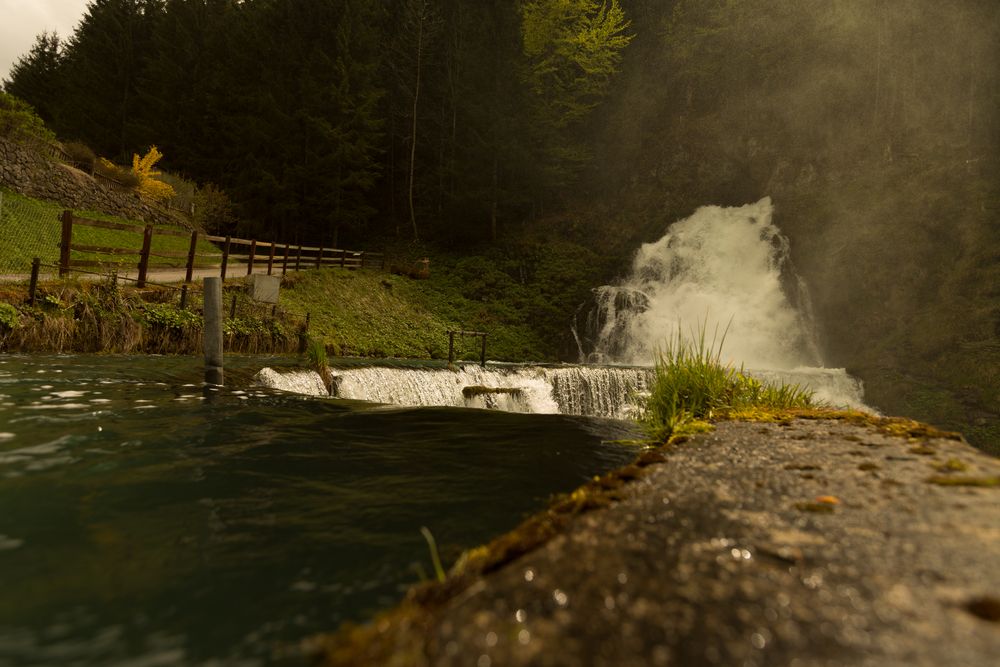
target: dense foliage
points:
(19, 121)
(432, 118)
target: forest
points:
(872, 124)
(421, 118)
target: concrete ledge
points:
(800, 542)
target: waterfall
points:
(294, 381)
(723, 270)
(725, 273)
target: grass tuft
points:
(692, 385)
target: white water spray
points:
(725, 271)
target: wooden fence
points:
(283, 256)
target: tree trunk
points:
(413, 133)
(496, 197)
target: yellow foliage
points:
(148, 185)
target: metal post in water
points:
(484, 351)
(213, 331)
(451, 347)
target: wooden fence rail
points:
(285, 256)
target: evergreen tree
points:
(182, 84)
(36, 78)
(103, 63)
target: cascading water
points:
(722, 269)
(570, 390)
(724, 272)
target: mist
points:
(873, 126)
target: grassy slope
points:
(366, 313)
(523, 295)
(31, 228)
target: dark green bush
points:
(213, 210)
(18, 121)
(80, 155)
(122, 175)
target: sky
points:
(22, 20)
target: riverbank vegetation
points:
(106, 317)
(359, 313)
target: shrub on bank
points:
(80, 155)
(75, 316)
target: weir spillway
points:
(599, 391)
(572, 390)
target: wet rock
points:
(710, 558)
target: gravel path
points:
(154, 275)
(805, 543)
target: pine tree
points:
(36, 76)
(103, 64)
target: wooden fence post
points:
(225, 257)
(343, 258)
(483, 357)
(36, 264)
(147, 242)
(319, 257)
(361, 256)
(270, 260)
(253, 253)
(451, 347)
(191, 252)
(284, 264)
(67, 239)
(298, 259)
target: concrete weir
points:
(808, 541)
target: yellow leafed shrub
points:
(148, 185)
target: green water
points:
(143, 522)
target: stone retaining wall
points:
(26, 171)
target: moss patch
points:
(951, 465)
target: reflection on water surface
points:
(143, 522)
